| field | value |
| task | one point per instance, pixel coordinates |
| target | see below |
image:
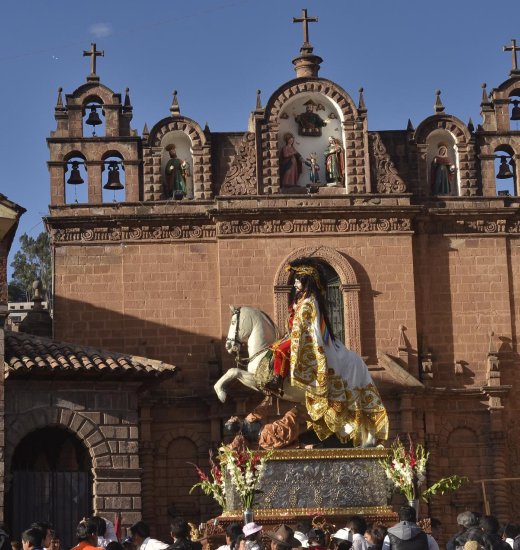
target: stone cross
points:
(93, 53)
(305, 20)
(513, 48)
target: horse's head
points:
(233, 341)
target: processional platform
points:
(304, 483)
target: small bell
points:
(515, 112)
(93, 119)
(75, 177)
(504, 171)
(113, 183)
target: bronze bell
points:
(75, 177)
(93, 117)
(515, 112)
(504, 171)
(113, 183)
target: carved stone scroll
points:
(241, 177)
(384, 171)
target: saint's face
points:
(298, 284)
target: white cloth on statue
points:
(153, 544)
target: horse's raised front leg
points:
(244, 377)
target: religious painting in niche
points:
(311, 150)
(310, 122)
(176, 163)
(441, 159)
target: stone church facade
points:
(421, 242)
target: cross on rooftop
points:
(513, 48)
(93, 53)
(305, 20)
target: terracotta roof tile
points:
(26, 353)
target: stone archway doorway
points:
(51, 481)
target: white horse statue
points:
(254, 327)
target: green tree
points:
(31, 262)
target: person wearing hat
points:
(300, 533)
(316, 539)
(342, 539)
(309, 122)
(283, 538)
(252, 535)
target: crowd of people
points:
(475, 532)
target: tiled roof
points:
(29, 354)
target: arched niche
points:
(505, 164)
(176, 162)
(444, 128)
(338, 266)
(155, 156)
(311, 118)
(113, 171)
(76, 179)
(288, 101)
(92, 110)
(442, 162)
(514, 109)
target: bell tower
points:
(93, 146)
(498, 136)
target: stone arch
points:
(91, 90)
(201, 157)
(349, 288)
(466, 157)
(87, 431)
(176, 433)
(354, 130)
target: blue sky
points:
(217, 53)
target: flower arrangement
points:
(213, 484)
(245, 470)
(406, 469)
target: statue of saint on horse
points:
(308, 365)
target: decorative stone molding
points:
(383, 168)
(313, 226)
(137, 232)
(241, 176)
(349, 287)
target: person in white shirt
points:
(141, 538)
(358, 526)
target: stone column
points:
(95, 191)
(146, 456)
(500, 505)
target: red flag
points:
(117, 525)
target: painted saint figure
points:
(334, 162)
(314, 169)
(309, 122)
(442, 172)
(176, 172)
(290, 163)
